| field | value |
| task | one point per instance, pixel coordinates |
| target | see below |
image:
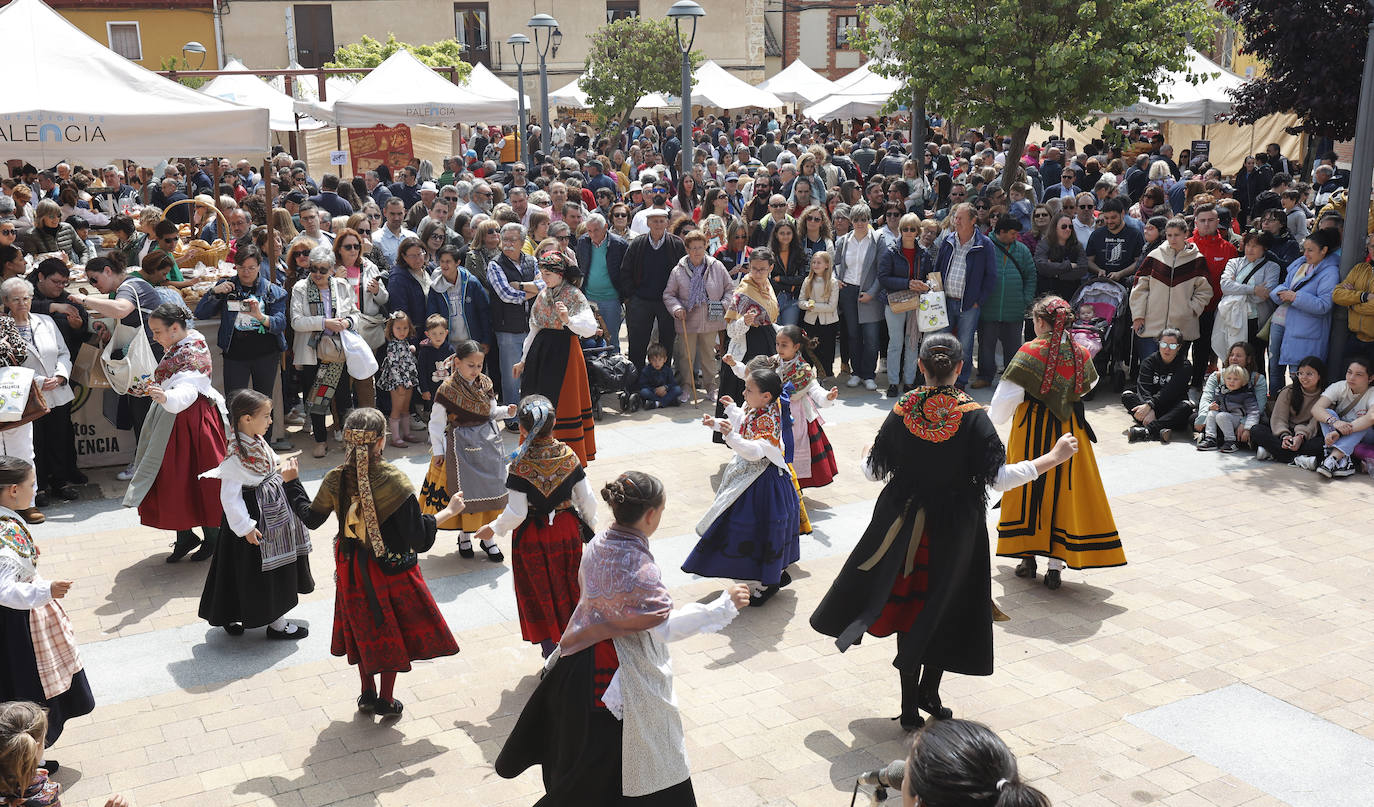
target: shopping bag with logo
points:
(128, 359)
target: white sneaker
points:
(337, 434)
(852, 382)
(126, 474)
(1328, 466)
(1262, 454)
(870, 384)
(1305, 462)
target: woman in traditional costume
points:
(1064, 517)
(549, 512)
(262, 566)
(182, 438)
(920, 570)
(384, 616)
(466, 448)
(42, 663)
(749, 316)
(552, 363)
(603, 723)
(750, 532)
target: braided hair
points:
(632, 494)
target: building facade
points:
(147, 32)
(272, 33)
(818, 33)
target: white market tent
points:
(402, 89)
(712, 86)
(68, 97)
(1198, 104)
(571, 96)
(249, 90)
(307, 88)
(485, 83)
(858, 94)
(799, 84)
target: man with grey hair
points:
(1323, 185)
(479, 200)
(376, 189)
(515, 280)
(602, 252)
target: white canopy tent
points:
(69, 97)
(799, 84)
(571, 96)
(308, 88)
(1198, 104)
(249, 90)
(712, 86)
(485, 83)
(858, 94)
(402, 89)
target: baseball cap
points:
(732, 177)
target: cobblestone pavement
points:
(1240, 573)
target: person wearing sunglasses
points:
(322, 306)
(902, 266)
(1159, 403)
(368, 284)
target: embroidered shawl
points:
(797, 372)
(545, 464)
(474, 397)
(15, 537)
(933, 413)
(361, 517)
(748, 297)
(1059, 383)
(622, 590)
(254, 454)
(191, 354)
(763, 424)
(543, 313)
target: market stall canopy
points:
(712, 86)
(486, 84)
(402, 89)
(863, 81)
(68, 97)
(799, 84)
(858, 94)
(571, 96)
(308, 87)
(249, 90)
(1198, 104)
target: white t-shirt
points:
(1346, 404)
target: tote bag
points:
(134, 369)
(362, 362)
(16, 384)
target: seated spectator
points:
(1356, 293)
(1234, 410)
(657, 385)
(1345, 417)
(1292, 434)
(1243, 355)
(1159, 404)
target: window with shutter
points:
(125, 40)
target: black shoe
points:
(182, 549)
(892, 390)
(51, 766)
(367, 702)
(755, 600)
(1026, 568)
(1208, 443)
(1228, 447)
(79, 478)
(41, 499)
(234, 629)
(1052, 580)
(935, 709)
(910, 722)
(67, 493)
(636, 402)
(391, 708)
(207, 548)
(493, 551)
(465, 545)
(300, 632)
(1137, 433)
(785, 580)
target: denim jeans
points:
(614, 315)
(896, 341)
(511, 345)
(989, 334)
(863, 336)
(1346, 443)
(964, 325)
(788, 312)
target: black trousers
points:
(825, 346)
(260, 373)
(1263, 435)
(343, 401)
(54, 448)
(640, 315)
(1202, 353)
(1179, 416)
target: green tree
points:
(368, 52)
(628, 59)
(173, 63)
(1011, 64)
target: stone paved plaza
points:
(1227, 664)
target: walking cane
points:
(687, 350)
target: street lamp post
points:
(688, 11)
(1357, 198)
(547, 25)
(518, 43)
(193, 47)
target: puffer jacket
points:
(1171, 291)
(1013, 288)
(65, 239)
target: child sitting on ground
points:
(1234, 409)
(658, 385)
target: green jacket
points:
(1014, 291)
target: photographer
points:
(252, 327)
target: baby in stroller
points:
(1089, 329)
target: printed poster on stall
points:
(389, 145)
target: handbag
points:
(904, 300)
(329, 349)
(134, 369)
(21, 401)
(715, 310)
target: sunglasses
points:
(301, 254)
(451, 199)
(894, 215)
(1066, 226)
(9, 232)
(351, 247)
(980, 207)
(911, 229)
(1168, 346)
(816, 219)
(320, 270)
(775, 204)
(375, 216)
(620, 215)
(1040, 216)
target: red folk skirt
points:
(908, 596)
(179, 499)
(544, 562)
(823, 467)
(407, 628)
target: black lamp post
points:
(683, 13)
(518, 43)
(549, 27)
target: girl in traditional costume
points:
(263, 566)
(42, 663)
(552, 363)
(604, 722)
(1065, 517)
(749, 315)
(549, 514)
(384, 616)
(182, 438)
(920, 570)
(466, 449)
(750, 532)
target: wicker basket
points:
(211, 255)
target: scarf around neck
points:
(766, 300)
(622, 590)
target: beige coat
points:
(675, 294)
(307, 326)
(1171, 291)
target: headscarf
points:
(555, 261)
(359, 444)
(541, 411)
(1059, 349)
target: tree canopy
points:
(628, 59)
(368, 52)
(1313, 52)
(1011, 64)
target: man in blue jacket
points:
(459, 297)
(967, 271)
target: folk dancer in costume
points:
(750, 532)
(920, 570)
(384, 616)
(42, 663)
(1065, 516)
(549, 513)
(467, 453)
(552, 364)
(262, 565)
(182, 438)
(603, 723)
(813, 460)
(749, 316)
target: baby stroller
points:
(1107, 337)
(607, 370)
